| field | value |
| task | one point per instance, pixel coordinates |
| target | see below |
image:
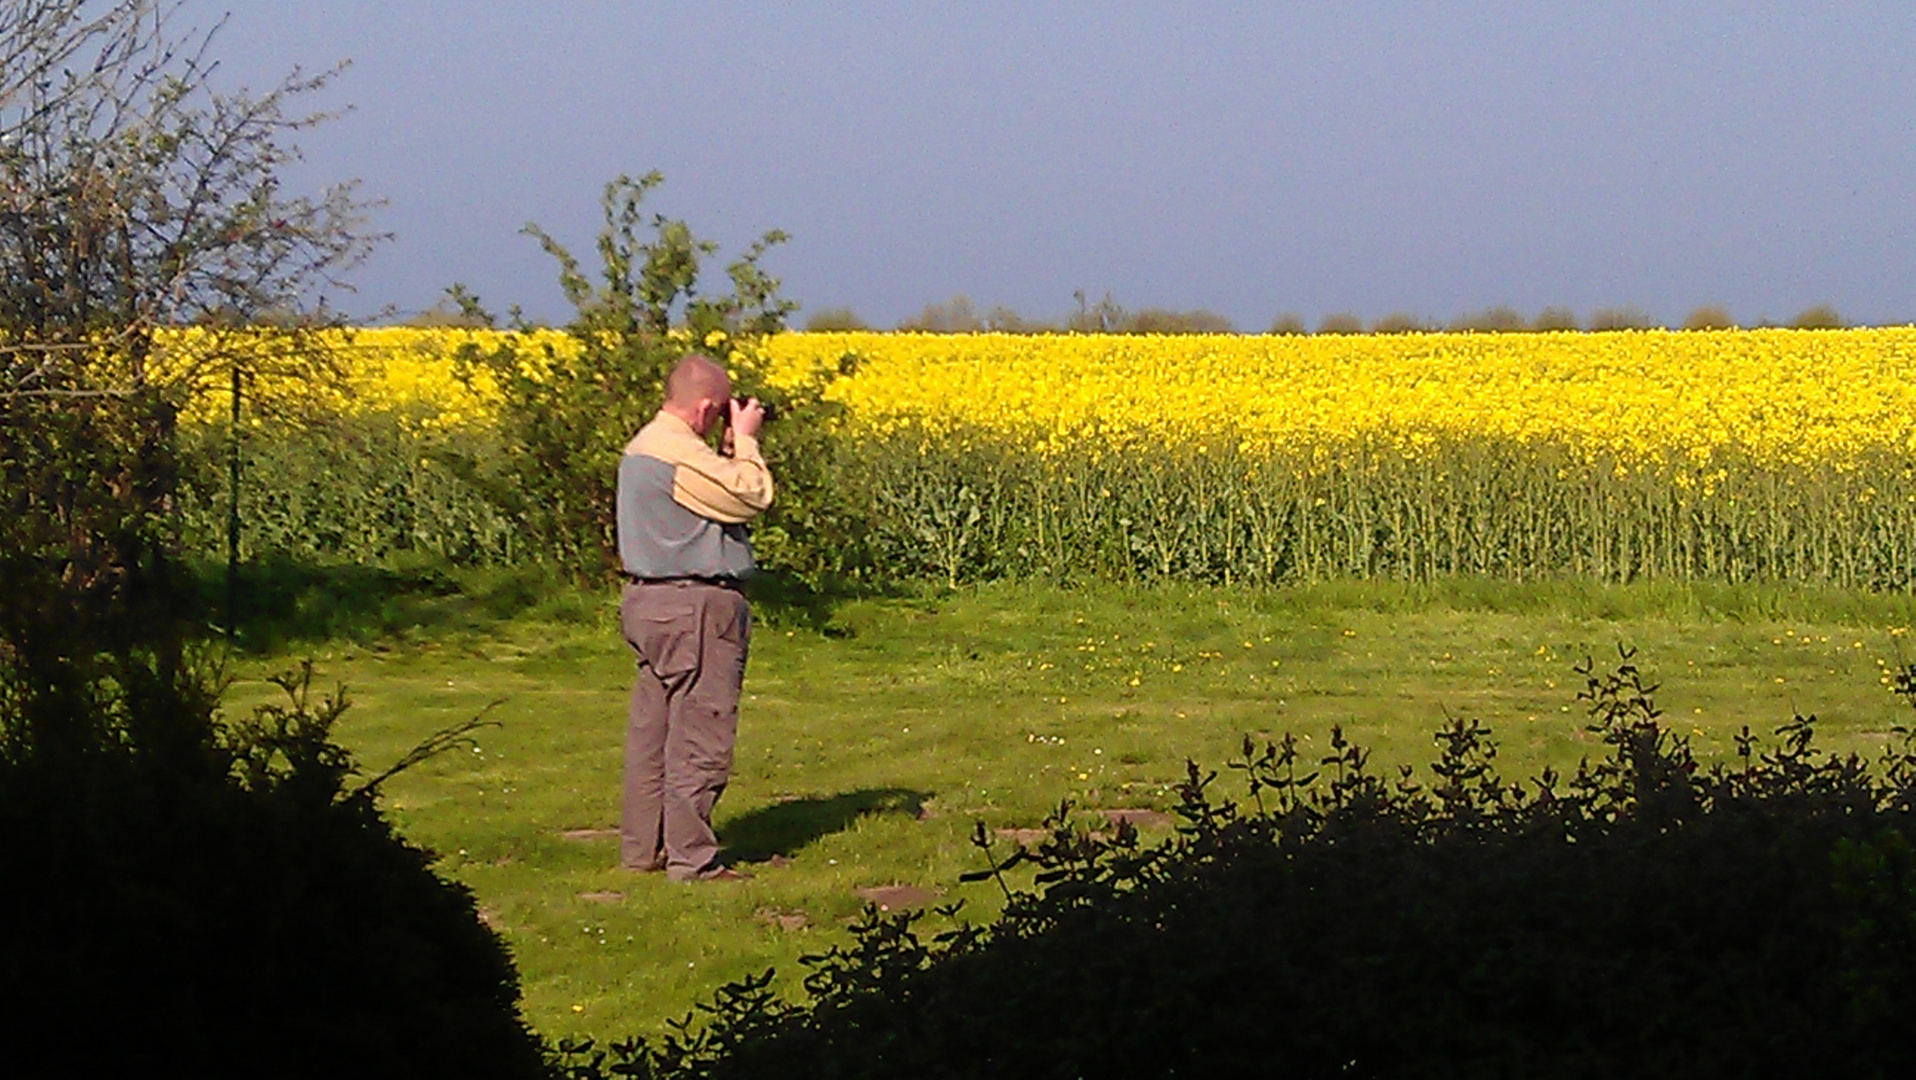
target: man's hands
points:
(745, 417)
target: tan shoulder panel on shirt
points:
(726, 489)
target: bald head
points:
(698, 392)
(695, 379)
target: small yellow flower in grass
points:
(1779, 678)
(578, 1008)
(714, 339)
(1177, 667)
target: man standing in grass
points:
(682, 509)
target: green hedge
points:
(1648, 916)
(966, 508)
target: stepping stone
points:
(896, 896)
(1025, 837)
(1139, 817)
(583, 835)
(602, 897)
(784, 920)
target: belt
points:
(715, 582)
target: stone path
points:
(888, 897)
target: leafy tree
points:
(1709, 317)
(1498, 319)
(136, 196)
(957, 315)
(829, 319)
(1340, 322)
(209, 895)
(565, 419)
(1818, 317)
(1621, 318)
(1555, 318)
(1399, 322)
(1107, 316)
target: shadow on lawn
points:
(783, 828)
(784, 600)
(286, 602)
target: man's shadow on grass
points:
(781, 829)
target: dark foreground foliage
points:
(220, 898)
(1647, 916)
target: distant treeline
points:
(959, 315)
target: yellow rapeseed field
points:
(1655, 396)
(407, 372)
(1735, 454)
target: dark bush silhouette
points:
(1555, 318)
(1399, 322)
(1340, 322)
(1818, 317)
(1709, 317)
(215, 897)
(1498, 319)
(1627, 317)
(829, 319)
(1647, 916)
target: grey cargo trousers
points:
(690, 640)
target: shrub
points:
(1107, 316)
(1500, 319)
(1708, 317)
(1153, 320)
(1555, 318)
(1646, 916)
(1819, 317)
(564, 420)
(1341, 322)
(1399, 322)
(957, 315)
(1621, 318)
(1005, 320)
(834, 318)
(217, 897)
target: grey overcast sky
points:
(1251, 158)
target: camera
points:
(769, 409)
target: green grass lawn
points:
(874, 732)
